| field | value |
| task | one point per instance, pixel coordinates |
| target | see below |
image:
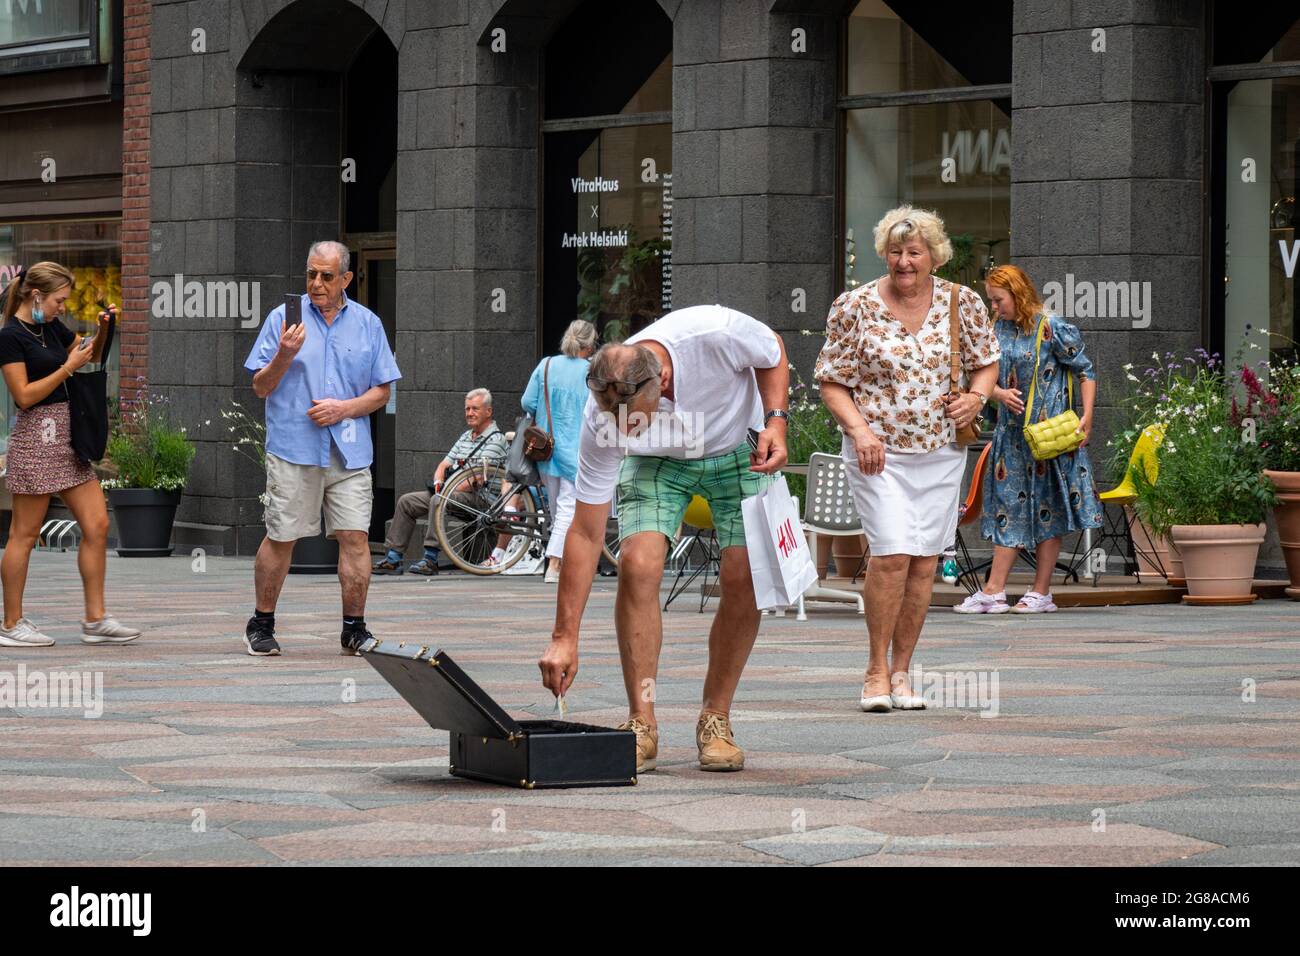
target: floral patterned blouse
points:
(898, 379)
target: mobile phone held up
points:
(292, 310)
(89, 340)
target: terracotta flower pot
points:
(824, 542)
(1152, 551)
(1177, 576)
(1287, 514)
(1219, 560)
(848, 550)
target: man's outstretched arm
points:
(582, 547)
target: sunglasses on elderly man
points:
(623, 389)
(325, 276)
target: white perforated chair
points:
(828, 510)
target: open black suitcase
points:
(486, 742)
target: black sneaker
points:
(350, 641)
(259, 638)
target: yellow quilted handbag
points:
(1058, 434)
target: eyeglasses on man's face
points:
(623, 389)
(314, 274)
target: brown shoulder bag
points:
(540, 445)
(971, 432)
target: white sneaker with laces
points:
(981, 603)
(23, 634)
(107, 631)
(1034, 603)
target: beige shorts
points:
(296, 495)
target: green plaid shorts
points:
(653, 493)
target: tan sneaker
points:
(647, 742)
(718, 750)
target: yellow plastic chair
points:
(1144, 451)
(704, 543)
(1117, 528)
(698, 514)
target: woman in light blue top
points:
(566, 387)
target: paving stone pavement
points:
(1121, 737)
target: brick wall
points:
(133, 336)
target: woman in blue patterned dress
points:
(1027, 503)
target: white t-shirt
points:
(714, 353)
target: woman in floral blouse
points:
(1031, 504)
(884, 375)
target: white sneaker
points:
(981, 603)
(23, 634)
(1034, 603)
(107, 631)
(552, 576)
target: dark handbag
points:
(540, 445)
(971, 432)
(520, 469)
(88, 403)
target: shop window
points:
(607, 172)
(1254, 220)
(927, 121)
(901, 154)
(92, 249)
(43, 34)
(891, 48)
(1261, 241)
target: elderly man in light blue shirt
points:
(321, 378)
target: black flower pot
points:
(144, 521)
(315, 555)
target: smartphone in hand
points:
(752, 438)
(292, 310)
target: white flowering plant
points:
(147, 449)
(1209, 466)
(248, 438)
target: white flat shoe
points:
(909, 702)
(876, 705)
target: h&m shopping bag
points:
(779, 562)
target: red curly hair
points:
(1014, 279)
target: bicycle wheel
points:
(610, 549)
(471, 514)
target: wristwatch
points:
(984, 399)
(775, 413)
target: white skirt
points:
(911, 506)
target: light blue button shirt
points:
(342, 360)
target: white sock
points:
(499, 553)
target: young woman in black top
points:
(38, 354)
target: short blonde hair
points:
(899, 225)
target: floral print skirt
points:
(41, 460)
(1028, 501)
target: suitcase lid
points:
(441, 693)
